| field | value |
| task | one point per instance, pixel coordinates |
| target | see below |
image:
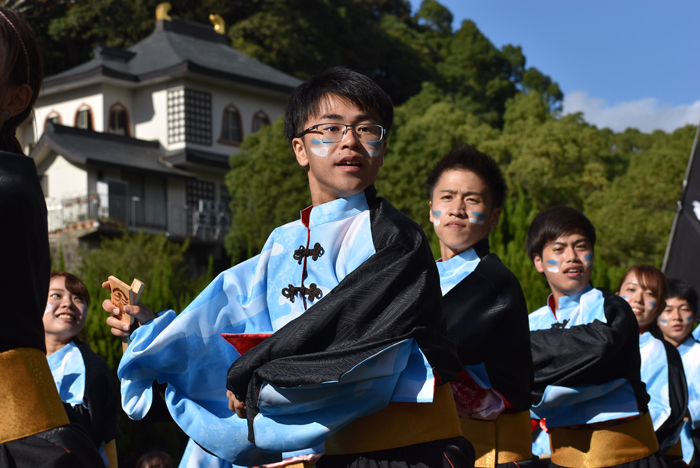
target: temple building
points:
(141, 138)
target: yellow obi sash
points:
(610, 446)
(506, 439)
(29, 401)
(676, 450)
(399, 425)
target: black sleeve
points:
(393, 296)
(24, 244)
(102, 397)
(670, 430)
(594, 353)
(487, 320)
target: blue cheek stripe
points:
(437, 214)
(321, 142)
(373, 143)
(479, 215)
(663, 321)
(588, 256)
(552, 262)
(653, 304)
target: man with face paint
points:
(676, 322)
(344, 303)
(485, 309)
(644, 289)
(585, 352)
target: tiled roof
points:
(86, 146)
(174, 47)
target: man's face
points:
(567, 263)
(461, 211)
(676, 320)
(341, 169)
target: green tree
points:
(633, 218)
(267, 187)
(153, 259)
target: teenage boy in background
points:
(351, 297)
(585, 351)
(676, 323)
(485, 309)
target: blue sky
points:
(621, 62)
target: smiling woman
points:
(85, 383)
(644, 289)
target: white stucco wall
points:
(248, 104)
(68, 103)
(65, 179)
(150, 114)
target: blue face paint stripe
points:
(588, 256)
(437, 213)
(552, 262)
(479, 215)
(320, 142)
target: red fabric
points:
(467, 393)
(552, 305)
(533, 424)
(243, 342)
(305, 214)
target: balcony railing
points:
(208, 221)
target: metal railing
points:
(209, 221)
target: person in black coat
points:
(485, 310)
(34, 427)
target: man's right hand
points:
(140, 312)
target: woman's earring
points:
(5, 114)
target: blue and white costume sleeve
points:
(654, 372)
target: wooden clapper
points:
(122, 296)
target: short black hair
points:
(467, 158)
(554, 223)
(357, 88)
(683, 290)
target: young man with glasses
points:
(347, 300)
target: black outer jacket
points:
(670, 430)
(394, 295)
(100, 415)
(487, 320)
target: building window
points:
(118, 120)
(189, 116)
(231, 128)
(260, 120)
(196, 192)
(54, 117)
(83, 118)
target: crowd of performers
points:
(351, 347)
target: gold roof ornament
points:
(218, 22)
(162, 11)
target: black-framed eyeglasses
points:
(335, 132)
